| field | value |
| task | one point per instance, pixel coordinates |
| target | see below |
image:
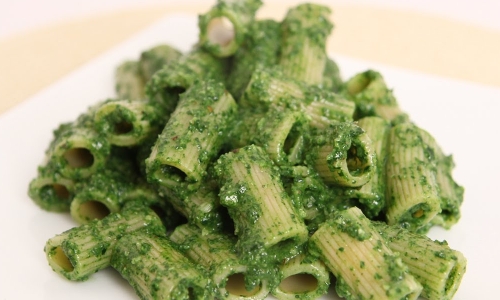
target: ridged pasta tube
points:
(77, 150)
(371, 196)
(281, 134)
(156, 58)
(372, 97)
(364, 267)
(201, 208)
(156, 269)
(129, 83)
(260, 48)
(332, 81)
(81, 251)
(106, 191)
(342, 154)
(303, 51)
(302, 278)
(129, 122)
(175, 78)
(269, 87)
(258, 204)
(50, 190)
(216, 253)
(192, 137)
(224, 27)
(450, 193)
(412, 193)
(434, 264)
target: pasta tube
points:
(156, 270)
(437, 267)
(201, 208)
(258, 205)
(372, 97)
(224, 27)
(129, 122)
(412, 192)
(50, 190)
(304, 278)
(168, 83)
(129, 81)
(259, 49)
(342, 155)
(81, 251)
(77, 150)
(156, 58)
(365, 268)
(311, 195)
(332, 81)
(450, 193)
(268, 87)
(192, 137)
(304, 32)
(371, 196)
(216, 253)
(281, 135)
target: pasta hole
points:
(79, 157)
(235, 285)
(299, 283)
(174, 174)
(354, 162)
(59, 257)
(123, 127)
(284, 244)
(220, 31)
(92, 210)
(293, 144)
(61, 191)
(172, 93)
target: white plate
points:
(462, 116)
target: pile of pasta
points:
(247, 167)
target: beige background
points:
(32, 60)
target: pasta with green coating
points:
(129, 122)
(50, 190)
(106, 191)
(156, 58)
(434, 264)
(77, 150)
(269, 87)
(264, 217)
(81, 251)
(224, 27)
(364, 267)
(216, 253)
(305, 29)
(303, 278)
(412, 193)
(259, 49)
(371, 196)
(450, 193)
(191, 138)
(372, 97)
(342, 154)
(175, 78)
(129, 83)
(159, 270)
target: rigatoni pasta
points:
(247, 167)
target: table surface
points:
(41, 43)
